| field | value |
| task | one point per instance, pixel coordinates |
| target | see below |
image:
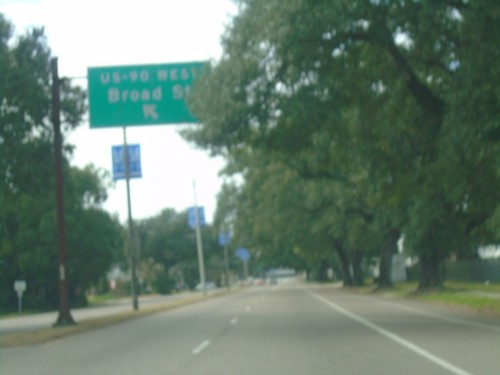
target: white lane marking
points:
(248, 308)
(201, 347)
(401, 341)
(443, 317)
(234, 321)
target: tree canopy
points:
(168, 244)
(27, 197)
(388, 108)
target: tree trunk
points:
(385, 269)
(323, 271)
(431, 273)
(357, 269)
(344, 261)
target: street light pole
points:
(64, 317)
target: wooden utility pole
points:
(64, 317)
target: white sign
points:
(20, 286)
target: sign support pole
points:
(20, 303)
(245, 270)
(226, 268)
(64, 317)
(224, 239)
(201, 263)
(130, 243)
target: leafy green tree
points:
(374, 96)
(95, 238)
(169, 241)
(27, 207)
(94, 242)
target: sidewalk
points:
(19, 324)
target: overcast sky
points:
(95, 33)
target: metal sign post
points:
(199, 246)
(131, 243)
(224, 240)
(20, 288)
(138, 95)
(244, 256)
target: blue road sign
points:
(134, 157)
(192, 217)
(242, 253)
(224, 238)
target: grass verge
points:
(477, 297)
(477, 303)
(50, 334)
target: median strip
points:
(49, 334)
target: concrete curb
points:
(45, 335)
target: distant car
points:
(209, 285)
(259, 281)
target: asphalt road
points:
(307, 330)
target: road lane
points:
(287, 330)
(157, 344)
(397, 339)
(291, 333)
(466, 340)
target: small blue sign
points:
(224, 238)
(134, 161)
(242, 253)
(192, 217)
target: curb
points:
(45, 335)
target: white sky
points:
(94, 33)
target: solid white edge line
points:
(488, 327)
(201, 347)
(407, 344)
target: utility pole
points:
(226, 267)
(64, 317)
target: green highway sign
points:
(141, 95)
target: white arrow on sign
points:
(150, 111)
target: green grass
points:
(477, 303)
(479, 297)
(95, 300)
(459, 285)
